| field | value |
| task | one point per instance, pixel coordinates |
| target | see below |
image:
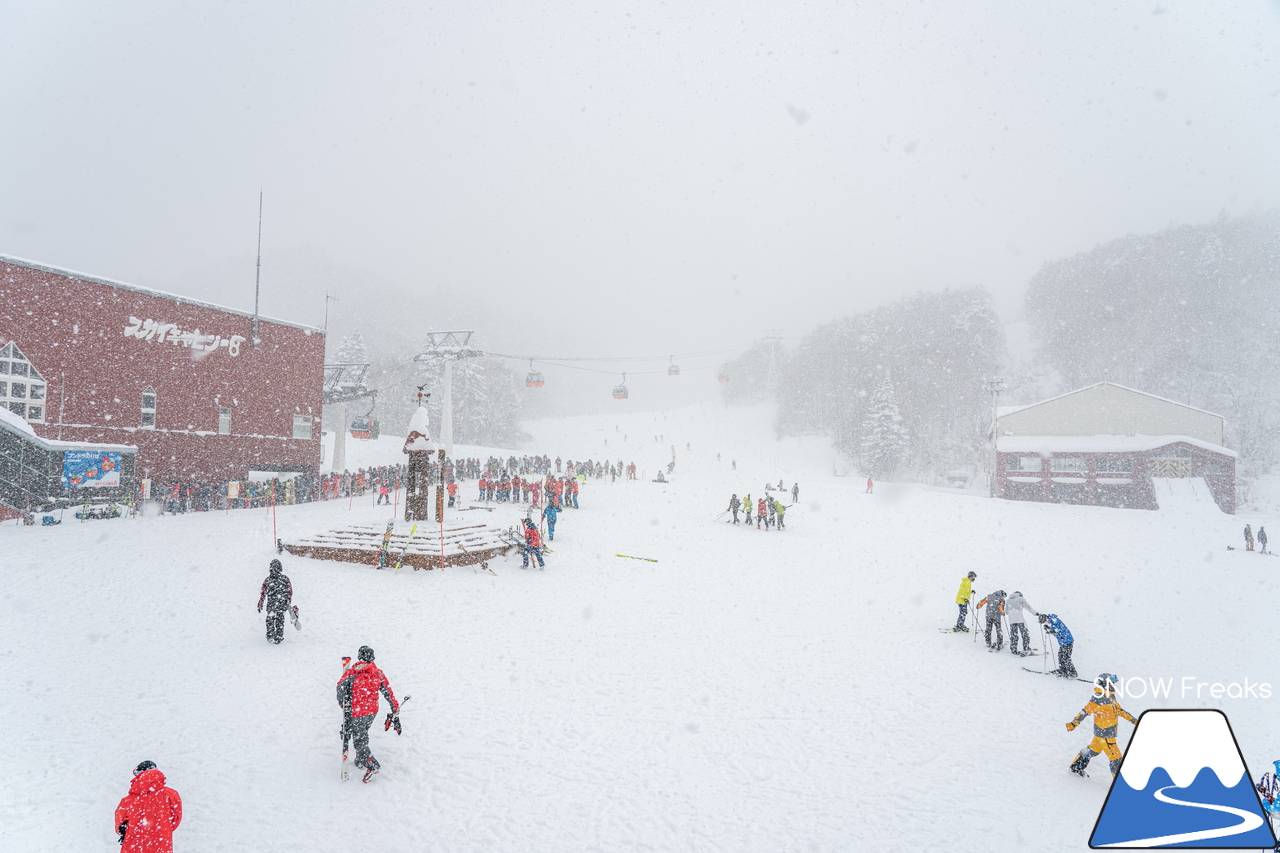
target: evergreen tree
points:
(352, 350)
(884, 439)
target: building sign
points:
(147, 330)
(90, 469)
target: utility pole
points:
(327, 300)
(994, 387)
(257, 276)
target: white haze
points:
(633, 179)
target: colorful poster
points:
(90, 469)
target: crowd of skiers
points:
(1103, 707)
(769, 512)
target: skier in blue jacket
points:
(550, 514)
(1062, 633)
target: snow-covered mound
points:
(750, 690)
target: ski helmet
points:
(276, 567)
(1015, 592)
(973, 576)
(144, 767)
(365, 653)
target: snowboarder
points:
(532, 544)
(962, 599)
(733, 507)
(782, 511)
(358, 690)
(277, 592)
(1262, 539)
(1106, 712)
(550, 513)
(1248, 538)
(995, 609)
(1058, 628)
(1014, 608)
(149, 813)
(795, 493)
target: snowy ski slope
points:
(750, 691)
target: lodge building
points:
(87, 359)
(1103, 445)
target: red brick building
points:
(1108, 445)
(88, 359)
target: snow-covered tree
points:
(352, 350)
(884, 438)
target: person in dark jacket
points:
(1262, 539)
(995, 610)
(149, 813)
(358, 690)
(277, 593)
(733, 507)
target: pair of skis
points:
(384, 550)
(1057, 675)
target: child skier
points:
(746, 508)
(772, 512)
(782, 511)
(550, 513)
(962, 599)
(995, 609)
(1105, 711)
(733, 507)
(1066, 641)
(1014, 608)
(760, 513)
(532, 544)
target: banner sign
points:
(90, 469)
(146, 330)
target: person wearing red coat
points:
(358, 690)
(532, 544)
(148, 815)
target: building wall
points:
(88, 338)
(1107, 409)
(1091, 487)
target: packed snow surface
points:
(749, 691)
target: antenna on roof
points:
(257, 276)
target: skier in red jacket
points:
(532, 544)
(358, 690)
(148, 815)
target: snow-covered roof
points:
(1041, 444)
(10, 421)
(22, 262)
(1001, 411)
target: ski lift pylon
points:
(620, 391)
(534, 379)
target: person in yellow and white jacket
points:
(962, 599)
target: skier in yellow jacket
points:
(1106, 713)
(962, 599)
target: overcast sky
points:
(574, 177)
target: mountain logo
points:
(1183, 783)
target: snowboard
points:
(293, 617)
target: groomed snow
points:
(750, 691)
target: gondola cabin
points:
(620, 392)
(364, 428)
(673, 370)
(534, 379)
